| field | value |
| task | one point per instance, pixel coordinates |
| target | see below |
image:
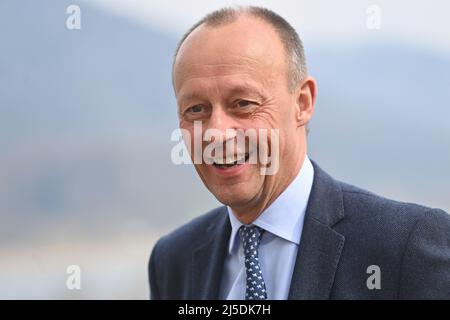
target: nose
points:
(223, 127)
(221, 123)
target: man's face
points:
(235, 77)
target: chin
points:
(233, 198)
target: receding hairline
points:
(292, 45)
(220, 23)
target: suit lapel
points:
(320, 246)
(208, 259)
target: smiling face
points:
(234, 76)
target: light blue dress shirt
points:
(283, 224)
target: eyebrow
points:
(245, 89)
(190, 96)
(235, 90)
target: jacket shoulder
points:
(190, 233)
(369, 205)
(384, 222)
(167, 263)
(410, 243)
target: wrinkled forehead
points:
(247, 46)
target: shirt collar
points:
(284, 217)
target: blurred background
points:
(86, 116)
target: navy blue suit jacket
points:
(346, 230)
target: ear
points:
(305, 98)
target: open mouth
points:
(223, 164)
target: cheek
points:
(188, 137)
(267, 117)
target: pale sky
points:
(425, 24)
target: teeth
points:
(237, 158)
(219, 161)
(240, 158)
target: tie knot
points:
(250, 237)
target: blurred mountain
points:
(86, 117)
(382, 119)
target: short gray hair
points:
(292, 43)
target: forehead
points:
(247, 46)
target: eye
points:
(243, 103)
(195, 112)
(196, 109)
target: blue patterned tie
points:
(256, 288)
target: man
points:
(296, 233)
